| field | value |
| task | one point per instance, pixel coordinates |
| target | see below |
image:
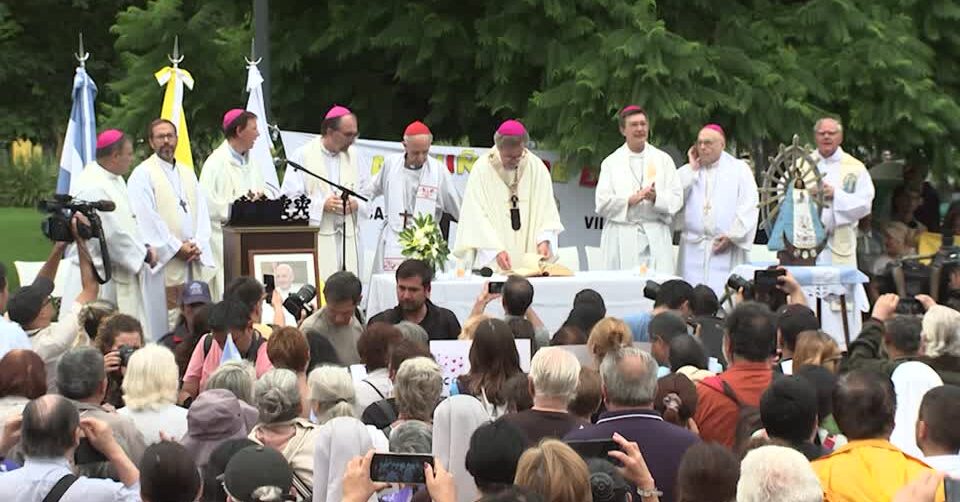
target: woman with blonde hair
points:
(555, 471)
(608, 335)
(816, 348)
(332, 395)
(150, 393)
(470, 326)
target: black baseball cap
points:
(257, 469)
(24, 306)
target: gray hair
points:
(332, 393)
(417, 388)
(629, 376)
(413, 332)
(501, 140)
(941, 332)
(278, 396)
(555, 372)
(49, 426)
(412, 436)
(819, 122)
(777, 474)
(80, 373)
(408, 137)
(235, 376)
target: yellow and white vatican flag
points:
(175, 79)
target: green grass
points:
(21, 239)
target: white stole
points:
(395, 197)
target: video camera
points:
(908, 277)
(56, 227)
(764, 288)
(299, 302)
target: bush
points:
(27, 182)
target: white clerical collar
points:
(328, 153)
(835, 157)
(110, 175)
(636, 154)
(237, 156)
(715, 164)
(164, 164)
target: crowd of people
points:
(756, 405)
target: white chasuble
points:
(485, 218)
(639, 235)
(720, 200)
(133, 288)
(226, 176)
(408, 193)
(340, 168)
(853, 194)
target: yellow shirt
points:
(867, 470)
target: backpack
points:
(252, 351)
(748, 417)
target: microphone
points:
(482, 272)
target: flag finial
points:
(253, 60)
(81, 55)
(176, 58)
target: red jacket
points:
(717, 414)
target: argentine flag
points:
(230, 351)
(79, 144)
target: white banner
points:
(581, 224)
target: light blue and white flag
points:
(79, 144)
(261, 151)
(230, 351)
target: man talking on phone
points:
(719, 211)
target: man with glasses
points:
(171, 209)
(720, 211)
(848, 190)
(332, 156)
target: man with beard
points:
(414, 305)
(171, 210)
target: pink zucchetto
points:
(511, 128)
(230, 116)
(630, 109)
(337, 111)
(715, 127)
(108, 137)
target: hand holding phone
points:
(495, 287)
(269, 284)
(596, 448)
(399, 467)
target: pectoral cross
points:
(183, 204)
(406, 214)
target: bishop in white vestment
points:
(848, 190)
(166, 199)
(412, 183)
(509, 212)
(719, 213)
(332, 156)
(228, 174)
(132, 287)
(638, 194)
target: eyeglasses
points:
(165, 137)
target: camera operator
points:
(30, 307)
(117, 338)
(128, 253)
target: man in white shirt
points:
(848, 190)
(332, 156)
(937, 433)
(638, 194)
(11, 334)
(171, 210)
(49, 436)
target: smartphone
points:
(951, 488)
(595, 448)
(495, 287)
(399, 467)
(766, 287)
(269, 285)
(87, 454)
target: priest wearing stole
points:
(166, 199)
(719, 213)
(637, 194)
(848, 190)
(412, 183)
(509, 213)
(332, 156)
(129, 288)
(228, 174)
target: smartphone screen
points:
(268, 286)
(595, 448)
(399, 467)
(766, 290)
(495, 287)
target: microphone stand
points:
(345, 194)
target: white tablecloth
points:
(553, 296)
(827, 284)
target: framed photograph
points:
(290, 269)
